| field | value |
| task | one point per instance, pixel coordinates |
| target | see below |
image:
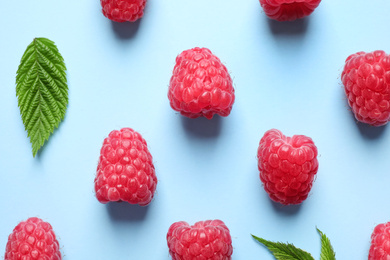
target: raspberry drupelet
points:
(32, 239)
(207, 240)
(366, 80)
(123, 10)
(125, 170)
(287, 166)
(288, 10)
(380, 242)
(200, 85)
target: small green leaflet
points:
(286, 251)
(42, 90)
(327, 252)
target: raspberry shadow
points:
(370, 132)
(126, 30)
(293, 28)
(288, 210)
(202, 127)
(123, 211)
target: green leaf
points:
(284, 251)
(42, 90)
(327, 252)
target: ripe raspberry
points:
(200, 85)
(32, 239)
(380, 242)
(288, 10)
(125, 171)
(366, 79)
(123, 10)
(287, 166)
(208, 239)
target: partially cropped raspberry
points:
(32, 239)
(380, 242)
(123, 10)
(125, 171)
(205, 240)
(288, 10)
(287, 166)
(200, 85)
(366, 80)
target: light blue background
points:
(286, 75)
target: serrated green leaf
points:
(327, 252)
(284, 251)
(42, 90)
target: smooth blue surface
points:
(286, 75)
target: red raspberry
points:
(32, 239)
(205, 240)
(123, 10)
(125, 171)
(380, 242)
(287, 166)
(366, 79)
(200, 85)
(288, 10)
